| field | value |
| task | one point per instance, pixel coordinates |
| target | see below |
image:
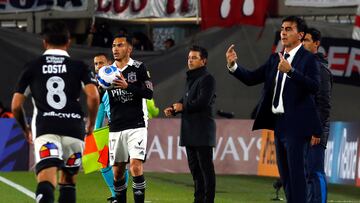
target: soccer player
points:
(128, 126)
(100, 60)
(57, 130)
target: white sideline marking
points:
(18, 187)
(23, 189)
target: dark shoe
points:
(111, 200)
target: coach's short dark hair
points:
(127, 37)
(56, 33)
(300, 23)
(203, 51)
(315, 34)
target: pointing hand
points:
(231, 56)
(284, 66)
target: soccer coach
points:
(197, 124)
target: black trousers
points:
(291, 150)
(200, 160)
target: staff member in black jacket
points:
(316, 178)
(197, 124)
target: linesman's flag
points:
(96, 152)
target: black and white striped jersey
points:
(128, 107)
(55, 82)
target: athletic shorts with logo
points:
(127, 144)
(60, 151)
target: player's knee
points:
(136, 169)
(117, 172)
(67, 178)
(117, 176)
(47, 175)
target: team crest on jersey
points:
(49, 150)
(131, 77)
(74, 160)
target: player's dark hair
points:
(203, 51)
(315, 34)
(300, 23)
(56, 33)
(127, 37)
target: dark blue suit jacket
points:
(298, 94)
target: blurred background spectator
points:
(100, 36)
(141, 42)
(122, 31)
(168, 43)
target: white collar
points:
(56, 52)
(294, 50)
(129, 63)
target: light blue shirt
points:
(104, 109)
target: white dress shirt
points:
(280, 107)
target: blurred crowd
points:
(100, 36)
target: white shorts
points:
(127, 144)
(50, 147)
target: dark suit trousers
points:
(291, 149)
(200, 160)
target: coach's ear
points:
(45, 44)
(68, 44)
(130, 48)
(301, 35)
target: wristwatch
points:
(290, 72)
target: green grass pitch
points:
(172, 188)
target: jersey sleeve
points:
(146, 77)
(24, 80)
(146, 90)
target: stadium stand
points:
(168, 68)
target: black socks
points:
(120, 188)
(139, 185)
(45, 192)
(67, 193)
